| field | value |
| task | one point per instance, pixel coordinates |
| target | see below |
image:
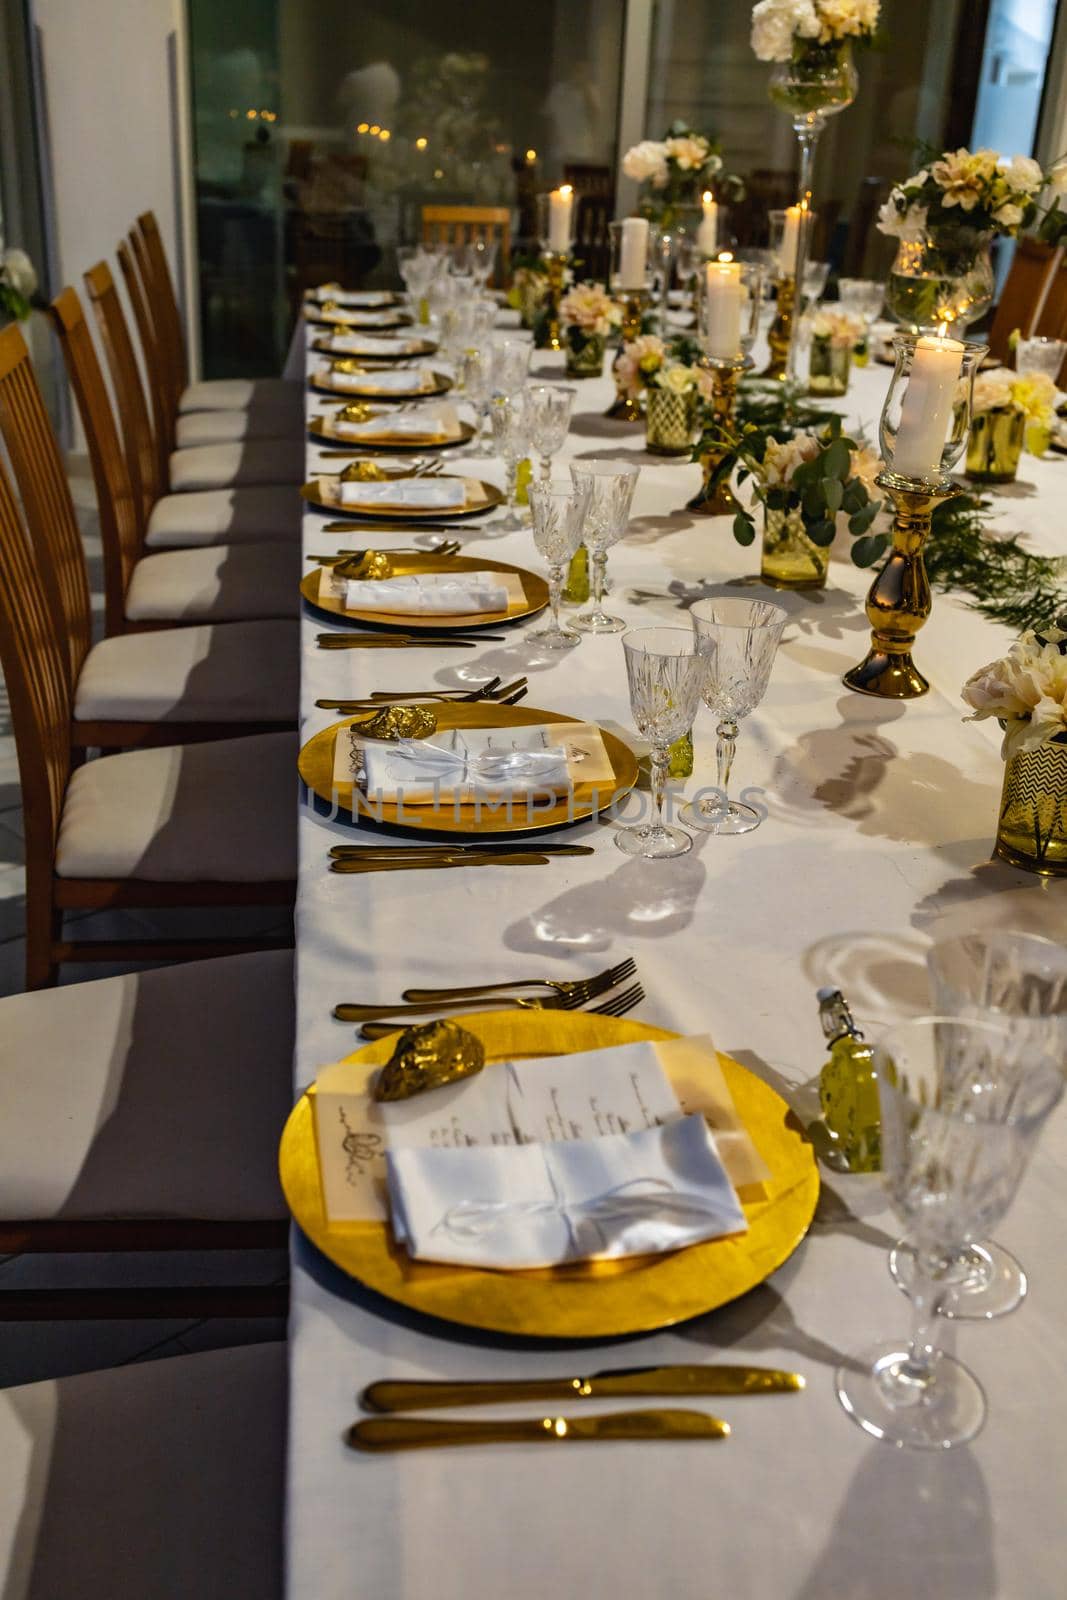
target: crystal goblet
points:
(475, 386)
(1020, 981)
(738, 640)
(665, 674)
(510, 363)
(962, 1106)
(510, 424)
(550, 416)
(557, 513)
(611, 485)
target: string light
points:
(364, 127)
(531, 155)
(420, 144)
(375, 129)
(384, 135)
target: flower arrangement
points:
(1026, 691)
(18, 284)
(969, 192)
(677, 169)
(786, 30)
(589, 308)
(642, 362)
(676, 378)
(839, 329)
(1032, 395)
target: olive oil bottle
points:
(848, 1090)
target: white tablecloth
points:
(878, 839)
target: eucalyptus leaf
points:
(837, 459)
(822, 532)
(833, 494)
(744, 528)
(867, 550)
(861, 520)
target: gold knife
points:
(423, 1394)
(411, 1433)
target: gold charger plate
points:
(480, 497)
(321, 428)
(586, 1300)
(441, 385)
(379, 319)
(316, 762)
(535, 588)
(423, 347)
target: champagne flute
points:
(1020, 981)
(963, 1103)
(550, 417)
(557, 511)
(611, 485)
(665, 674)
(511, 434)
(738, 640)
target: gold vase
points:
(1032, 831)
(790, 560)
(995, 444)
(719, 500)
(828, 367)
(585, 353)
(670, 421)
(780, 333)
(627, 407)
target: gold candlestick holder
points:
(899, 600)
(555, 267)
(624, 407)
(780, 333)
(719, 500)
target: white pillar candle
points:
(722, 322)
(708, 231)
(633, 253)
(926, 407)
(560, 206)
(787, 255)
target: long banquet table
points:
(880, 823)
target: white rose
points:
(16, 268)
(1024, 174)
(901, 225)
(775, 24)
(647, 163)
(1008, 215)
(689, 153)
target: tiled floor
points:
(32, 1350)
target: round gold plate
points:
(441, 386)
(586, 1300)
(385, 319)
(480, 497)
(316, 762)
(423, 347)
(536, 590)
(320, 428)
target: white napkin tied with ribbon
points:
(365, 344)
(353, 297)
(383, 317)
(405, 381)
(443, 593)
(438, 494)
(424, 426)
(537, 1205)
(422, 771)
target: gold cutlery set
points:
(506, 694)
(406, 1433)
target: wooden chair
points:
(463, 224)
(594, 207)
(209, 517)
(207, 682)
(1026, 291)
(1051, 320)
(207, 824)
(219, 584)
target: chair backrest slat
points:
(155, 364)
(38, 687)
(135, 423)
(42, 484)
(464, 224)
(120, 520)
(164, 300)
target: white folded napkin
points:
(438, 494)
(536, 1205)
(354, 297)
(444, 593)
(404, 381)
(365, 344)
(421, 425)
(473, 764)
(383, 318)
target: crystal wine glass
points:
(480, 259)
(557, 511)
(476, 389)
(1040, 355)
(510, 422)
(665, 675)
(550, 417)
(510, 363)
(1020, 981)
(962, 1106)
(738, 640)
(612, 485)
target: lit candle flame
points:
(725, 255)
(707, 197)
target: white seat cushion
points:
(235, 672)
(238, 394)
(219, 583)
(222, 427)
(221, 810)
(155, 1094)
(225, 516)
(161, 1481)
(223, 466)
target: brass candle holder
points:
(899, 600)
(719, 500)
(555, 268)
(780, 333)
(624, 407)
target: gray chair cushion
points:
(222, 427)
(235, 672)
(162, 1481)
(240, 394)
(154, 1094)
(221, 810)
(222, 466)
(225, 516)
(216, 583)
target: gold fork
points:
(590, 990)
(617, 1006)
(565, 986)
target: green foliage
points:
(1002, 579)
